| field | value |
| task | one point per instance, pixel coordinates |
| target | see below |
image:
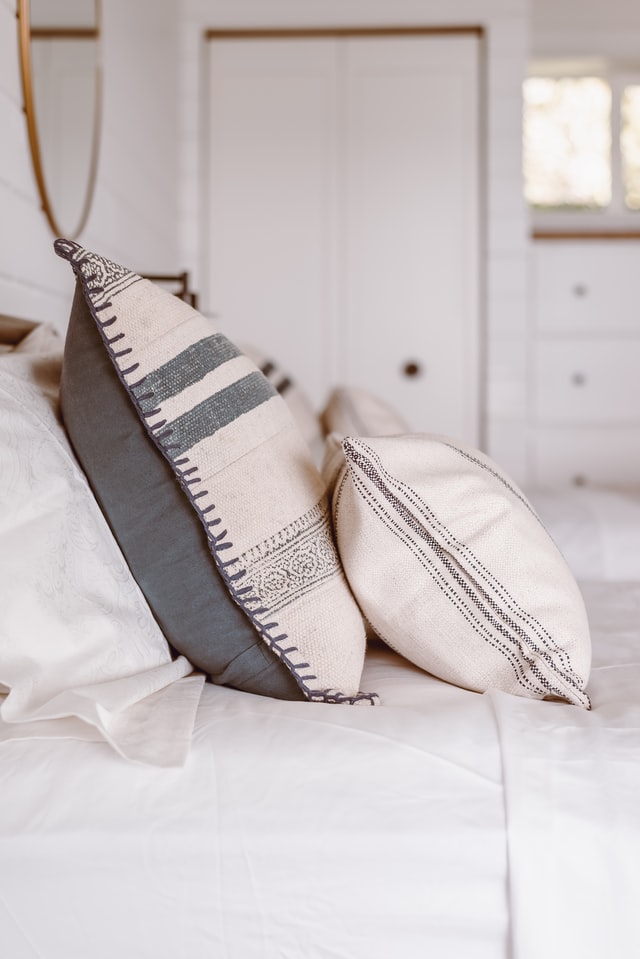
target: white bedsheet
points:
(307, 831)
(295, 830)
(572, 787)
(596, 529)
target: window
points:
(581, 142)
(630, 145)
(567, 144)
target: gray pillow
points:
(155, 525)
(241, 464)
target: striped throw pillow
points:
(242, 464)
(454, 570)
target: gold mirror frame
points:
(24, 44)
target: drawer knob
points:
(578, 379)
(580, 289)
(412, 369)
(579, 480)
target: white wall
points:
(135, 215)
(149, 195)
(608, 28)
(506, 24)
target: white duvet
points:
(572, 795)
(445, 823)
(294, 830)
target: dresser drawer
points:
(586, 286)
(578, 456)
(587, 381)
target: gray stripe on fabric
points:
(480, 609)
(219, 410)
(189, 367)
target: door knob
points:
(412, 369)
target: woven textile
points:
(295, 397)
(157, 529)
(246, 470)
(453, 569)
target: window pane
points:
(567, 142)
(630, 145)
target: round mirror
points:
(61, 81)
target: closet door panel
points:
(342, 214)
(411, 289)
(271, 199)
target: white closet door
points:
(343, 214)
(271, 202)
(411, 198)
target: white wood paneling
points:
(135, 215)
(135, 218)
(14, 172)
(504, 223)
(31, 283)
(9, 76)
(595, 28)
(153, 103)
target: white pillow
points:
(352, 411)
(80, 653)
(453, 569)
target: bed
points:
(147, 811)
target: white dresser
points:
(585, 362)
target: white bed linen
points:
(295, 830)
(308, 831)
(596, 529)
(80, 652)
(572, 786)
